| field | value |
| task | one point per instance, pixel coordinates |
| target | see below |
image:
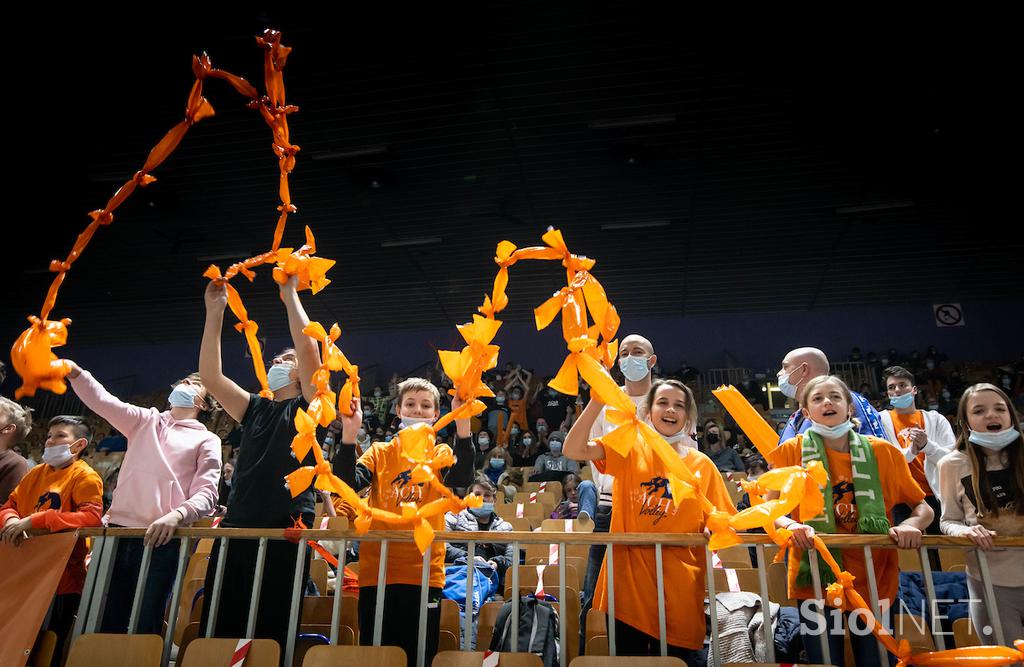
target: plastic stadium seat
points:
(203, 652)
(354, 656)
(475, 659)
(110, 650)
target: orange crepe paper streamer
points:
(970, 656)
(764, 437)
(275, 112)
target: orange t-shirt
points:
(643, 504)
(60, 499)
(898, 486)
(391, 487)
(901, 423)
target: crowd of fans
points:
(521, 435)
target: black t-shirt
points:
(258, 496)
(1002, 485)
(555, 408)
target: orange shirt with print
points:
(391, 487)
(60, 499)
(900, 423)
(643, 504)
(898, 486)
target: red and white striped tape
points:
(730, 574)
(533, 497)
(241, 650)
(543, 487)
(519, 510)
(729, 476)
(216, 522)
(540, 581)
(491, 659)
(324, 520)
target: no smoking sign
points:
(948, 314)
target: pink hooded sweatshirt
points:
(170, 464)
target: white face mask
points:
(996, 441)
(837, 431)
(788, 390)
(279, 376)
(183, 396)
(58, 455)
(412, 421)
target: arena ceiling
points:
(709, 167)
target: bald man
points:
(801, 366)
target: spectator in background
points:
(524, 453)
(543, 431)
(557, 408)
(484, 443)
(226, 477)
(725, 458)
(496, 463)
(481, 519)
(570, 507)
(802, 365)
(380, 404)
(553, 466)
(498, 414)
(15, 425)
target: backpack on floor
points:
(538, 630)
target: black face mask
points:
(712, 438)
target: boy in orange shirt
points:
(61, 493)
(867, 476)
(383, 469)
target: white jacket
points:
(941, 442)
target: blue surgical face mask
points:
(183, 396)
(994, 441)
(837, 431)
(497, 464)
(904, 401)
(278, 377)
(527, 441)
(412, 421)
(556, 447)
(57, 455)
(483, 512)
(634, 368)
(788, 390)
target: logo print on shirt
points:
(845, 512)
(404, 491)
(655, 504)
(48, 501)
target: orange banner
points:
(28, 578)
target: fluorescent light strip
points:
(637, 121)
(362, 151)
(402, 243)
(877, 206)
(636, 225)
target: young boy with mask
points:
(59, 494)
(168, 477)
(383, 469)
(498, 555)
(258, 497)
(924, 436)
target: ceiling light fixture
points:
(402, 243)
(636, 121)
(641, 224)
(876, 206)
(362, 151)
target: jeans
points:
(602, 522)
(863, 644)
(587, 491)
(163, 566)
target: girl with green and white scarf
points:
(867, 476)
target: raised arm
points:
(578, 445)
(232, 398)
(461, 474)
(125, 417)
(306, 351)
